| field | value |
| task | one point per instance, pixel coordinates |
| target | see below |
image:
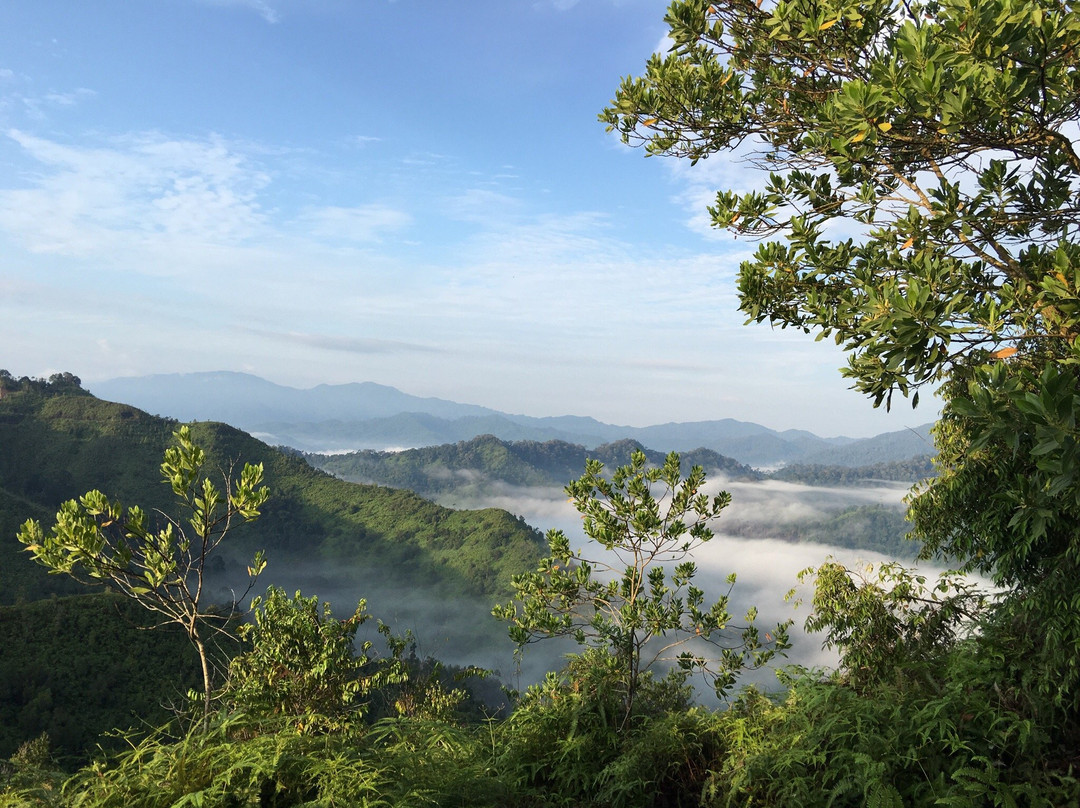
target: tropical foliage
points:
(939, 134)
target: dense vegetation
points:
(308, 717)
(945, 129)
(76, 667)
(914, 470)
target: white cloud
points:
(350, 345)
(699, 183)
(71, 98)
(365, 223)
(145, 186)
(481, 206)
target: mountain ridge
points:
(367, 415)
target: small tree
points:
(299, 660)
(96, 541)
(628, 603)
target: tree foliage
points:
(298, 661)
(939, 131)
(625, 600)
(164, 569)
(921, 209)
(886, 622)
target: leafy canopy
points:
(922, 208)
(299, 661)
(938, 132)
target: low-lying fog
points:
(461, 631)
(765, 502)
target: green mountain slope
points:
(61, 442)
(79, 666)
(913, 470)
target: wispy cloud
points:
(482, 206)
(665, 44)
(698, 184)
(141, 186)
(351, 345)
(262, 8)
(70, 98)
(365, 223)
(36, 107)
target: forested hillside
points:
(481, 462)
(485, 468)
(60, 442)
(76, 667)
(906, 471)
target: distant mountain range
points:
(351, 417)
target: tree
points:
(940, 134)
(626, 602)
(96, 541)
(299, 661)
(886, 622)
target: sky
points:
(414, 194)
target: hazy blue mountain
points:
(885, 448)
(353, 417)
(246, 400)
(407, 430)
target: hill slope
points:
(61, 443)
(76, 667)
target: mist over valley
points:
(434, 559)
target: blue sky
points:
(416, 194)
